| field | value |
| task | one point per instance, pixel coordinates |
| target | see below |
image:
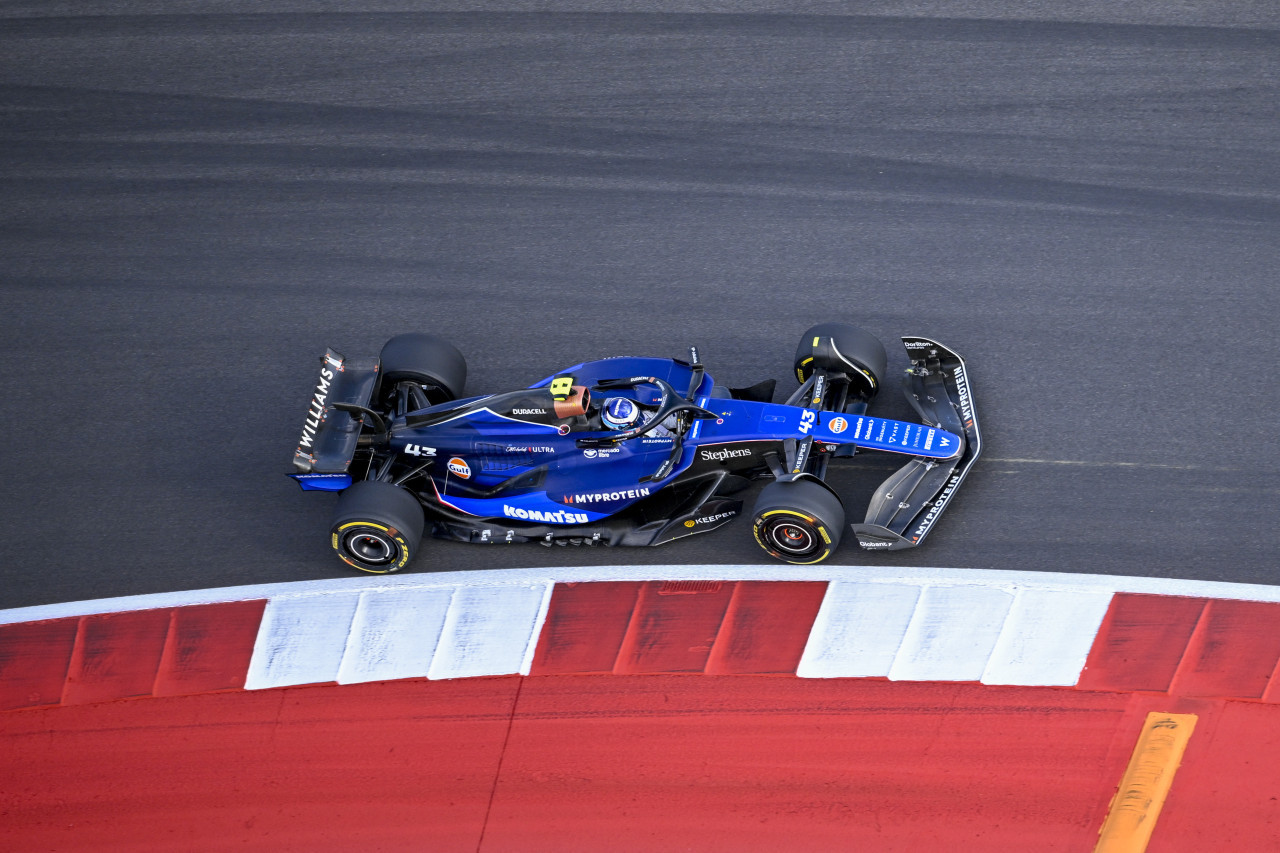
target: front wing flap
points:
(906, 506)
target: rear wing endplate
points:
(906, 506)
(329, 435)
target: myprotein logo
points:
(460, 468)
(723, 454)
(600, 497)
(558, 517)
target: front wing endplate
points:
(906, 506)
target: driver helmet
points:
(620, 413)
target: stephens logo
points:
(723, 454)
(838, 425)
(460, 467)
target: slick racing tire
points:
(376, 527)
(425, 360)
(798, 521)
(841, 348)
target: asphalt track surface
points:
(1080, 198)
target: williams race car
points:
(627, 451)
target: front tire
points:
(798, 522)
(376, 527)
(841, 348)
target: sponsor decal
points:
(709, 519)
(536, 448)
(802, 457)
(939, 504)
(724, 454)
(558, 517)
(962, 389)
(838, 425)
(600, 452)
(315, 413)
(528, 411)
(598, 497)
(928, 439)
(874, 544)
(460, 467)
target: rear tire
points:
(427, 360)
(376, 527)
(798, 521)
(841, 348)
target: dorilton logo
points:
(597, 497)
(723, 453)
(558, 517)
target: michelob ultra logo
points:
(460, 467)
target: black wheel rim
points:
(370, 548)
(791, 537)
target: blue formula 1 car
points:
(627, 451)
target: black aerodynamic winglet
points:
(906, 506)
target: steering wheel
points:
(669, 404)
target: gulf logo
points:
(838, 425)
(460, 467)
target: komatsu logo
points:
(558, 517)
(597, 497)
(723, 454)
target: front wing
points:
(906, 506)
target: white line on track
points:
(922, 576)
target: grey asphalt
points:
(197, 198)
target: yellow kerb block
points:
(1131, 817)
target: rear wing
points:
(906, 506)
(330, 434)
